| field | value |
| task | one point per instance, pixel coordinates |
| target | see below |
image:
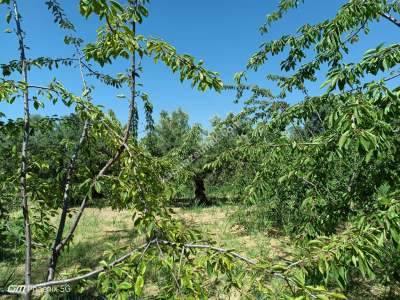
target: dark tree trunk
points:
(200, 190)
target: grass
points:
(217, 223)
(98, 230)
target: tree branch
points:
(90, 274)
(391, 19)
(129, 254)
(66, 194)
(217, 249)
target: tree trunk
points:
(200, 190)
(24, 156)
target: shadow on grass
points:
(193, 202)
(85, 252)
(88, 253)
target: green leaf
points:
(365, 143)
(337, 296)
(36, 104)
(142, 268)
(369, 155)
(8, 17)
(97, 187)
(282, 178)
(341, 84)
(143, 10)
(125, 286)
(139, 285)
(343, 139)
(6, 70)
(116, 5)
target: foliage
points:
(168, 134)
(324, 161)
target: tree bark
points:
(24, 156)
(200, 190)
(391, 19)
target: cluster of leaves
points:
(117, 39)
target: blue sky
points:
(224, 33)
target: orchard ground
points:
(102, 229)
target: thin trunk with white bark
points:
(24, 154)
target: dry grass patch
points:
(217, 223)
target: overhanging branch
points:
(391, 19)
(121, 259)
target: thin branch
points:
(92, 273)
(172, 271)
(103, 77)
(66, 193)
(129, 254)
(350, 38)
(217, 249)
(7, 283)
(391, 77)
(391, 19)
(180, 262)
